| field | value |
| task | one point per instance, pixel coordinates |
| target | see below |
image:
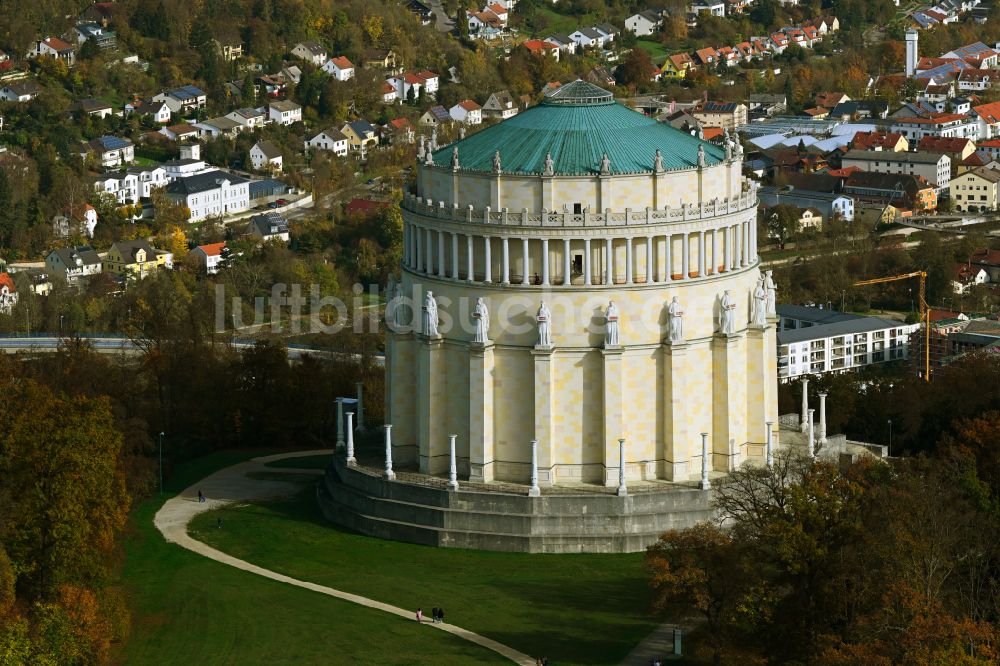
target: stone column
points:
(360, 388)
(609, 262)
(822, 419)
(418, 249)
(729, 401)
(629, 265)
(453, 467)
(769, 453)
(454, 256)
(613, 410)
(389, 474)
(350, 440)
(668, 258)
(431, 393)
(470, 268)
(481, 412)
(650, 274)
(440, 254)
(702, 264)
(526, 278)
(406, 244)
(534, 490)
(428, 252)
(567, 262)
(545, 261)
(812, 439)
(704, 484)
(506, 260)
(340, 423)
(586, 262)
(740, 259)
(727, 261)
(622, 488)
(487, 243)
(805, 405)
(686, 256)
(761, 386)
(676, 445)
(545, 431)
(715, 251)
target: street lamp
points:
(60, 325)
(161, 463)
(890, 436)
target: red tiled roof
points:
(988, 112)
(342, 62)
(986, 257)
(537, 45)
(57, 44)
(937, 119)
(401, 123)
(828, 100)
(712, 133)
(7, 281)
(843, 173)
(973, 160)
(943, 144)
(469, 105)
(931, 63)
(387, 88)
(866, 140)
(213, 249)
(364, 206)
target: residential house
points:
(600, 75)
(136, 259)
(810, 218)
(134, 184)
(340, 68)
(265, 156)
(539, 47)
(77, 220)
(707, 57)
(484, 25)
(157, 110)
(978, 80)
(829, 205)
(389, 93)
(436, 115)
(421, 11)
(727, 115)
(180, 132)
(957, 148)
(383, 59)
(988, 119)
(644, 23)
(183, 100)
(857, 109)
(54, 47)
(587, 37)
(430, 82)
(110, 151)
(399, 130)
(933, 167)
(829, 100)
(229, 49)
(94, 107)
(767, 105)
(976, 191)
(284, 112)
(8, 293)
(877, 140)
(564, 42)
(360, 135)
(942, 125)
(900, 190)
(677, 66)
(779, 41)
(312, 52)
(713, 7)
(467, 112)
(500, 105)
(102, 13)
(91, 30)
(332, 140)
(209, 193)
(248, 118)
(20, 91)
(210, 257)
(216, 127)
(268, 227)
(965, 277)
(73, 263)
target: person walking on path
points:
(434, 614)
(201, 497)
(441, 615)
(420, 615)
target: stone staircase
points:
(553, 523)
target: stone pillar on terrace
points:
(454, 255)
(803, 426)
(545, 261)
(470, 267)
(505, 269)
(487, 259)
(822, 419)
(481, 451)
(545, 431)
(613, 410)
(526, 258)
(728, 400)
(431, 398)
(586, 262)
(676, 375)
(567, 262)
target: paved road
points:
(443, 22)
(233, 485)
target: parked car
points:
(282, 202)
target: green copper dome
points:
(578, 124)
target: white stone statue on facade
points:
(461, 132)
(399, 301)
(658, 161)
(454, 157)
(611, 325)
(737, 146)
(605, 165)
(496, 161)
(434, 139)
(701, 155)
(727, 314)
(550, 167)
(482, 316)
(544, 319)
(772, 294)
(701, 132)
(676, 317)
(429, 157)
(430, 327)
(420, 149)
(758, 313)
(727, 142)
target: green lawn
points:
(655, 49)
(187, 609)
(556, 23)
(576, 609)
(307, 462)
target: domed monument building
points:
(579, 303)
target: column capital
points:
(612, 351)
(542, 351)
(432, 340)
(676, 348)
(480, 347)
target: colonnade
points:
(603, 260)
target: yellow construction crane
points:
(925, 311)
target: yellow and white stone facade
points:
(516, 240)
